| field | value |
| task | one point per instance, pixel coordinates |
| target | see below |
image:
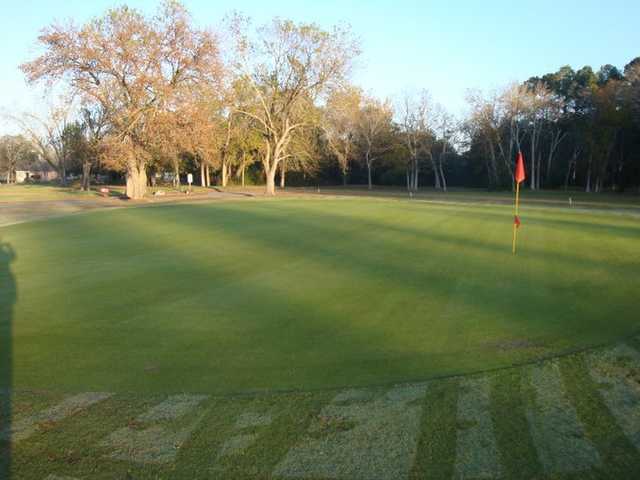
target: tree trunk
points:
(63, 175)
(270, 175)
(369, 184)
(136, 181)
(555, 142)
(444, 181)
(203, 180)
(224, 173)
(283, 172)
(587, 187)
(567, 176)
(208, 174)
(243, 169)
(532, 182)
(492, 170)
(86, 176)
(436, 174)
(176, 175)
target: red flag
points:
(516, 221)
(520, 175)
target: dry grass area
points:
(568, 418)
(24, 203)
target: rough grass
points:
(294, 294)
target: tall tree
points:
(446, 130)
(340, 125)
(289, 67)
(95, 128)
(14, 150)
(134, 67)
(415, 113)
(47, 133)
(375, 123)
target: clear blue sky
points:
(444, 46)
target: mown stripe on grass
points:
(245, 434)
(158, 433)
(437, 444)
(263, 427)
(477, 454)
(173, 407)
(596, 408)
(290, 420)
(508, 411)
(557, 432)
(73, 446)
(24, 428)
(616, 372)
(356, 437)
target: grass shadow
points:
(8, 295)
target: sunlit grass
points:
(300, 294)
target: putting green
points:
(302, 294)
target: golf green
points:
(307, 293)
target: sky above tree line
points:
(445, 47)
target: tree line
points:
(146, 95)
(578, 129)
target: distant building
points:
(23, 176)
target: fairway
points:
(306, 294)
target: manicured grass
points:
(307, 294)
(575, 199)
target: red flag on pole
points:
(520, 175)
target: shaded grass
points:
(290, 294)
(437, 445)
(519, 457)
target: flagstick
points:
(515, 227)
